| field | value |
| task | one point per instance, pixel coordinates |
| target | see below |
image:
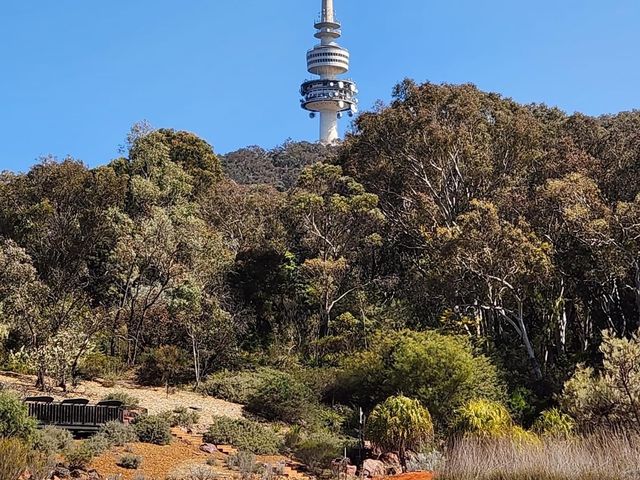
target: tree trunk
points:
(535, 365)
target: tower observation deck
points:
(329, 96)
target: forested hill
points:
(279, 167)
(516, 227)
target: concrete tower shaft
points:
(329, 96)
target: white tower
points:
(329, 96)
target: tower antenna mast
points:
(329, 96)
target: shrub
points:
(284, 398)
(118, 434)
(400, 424)
(183, 417)
(14, 418)
(554, 423)
(13, 458)
(52, 440)
(237, 387)
(608, 398)
(128, 401)
(244, 435)
(441, 371)
(244, 461)
(164, 366)
(80, 456)
(317, 450)
(98, 365)
(129, 461)
(153, 429)
(98, 444)
(484, 418)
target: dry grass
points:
(597, 457)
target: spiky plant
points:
(400, 423)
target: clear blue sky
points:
(76, 74)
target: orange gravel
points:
(157, 461)
(413, 476)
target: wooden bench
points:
(75, 416)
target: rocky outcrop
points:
(373, 468)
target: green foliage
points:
(610, 398)
(513, 228)
(484, 418)
(131, 462)
(554, 423)
(245, 462)
(244, 434)
(52, 440)
(14, 418)
(154, 429)
(439, 370)
(164, 366)
(80, 456)
(183, 417)
(118, 434)
(239, 386)
(283, 398)
(98, 365)
(13, 458)
(400, 424)
(317, 450)
(128, 401)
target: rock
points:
(62, 472)
(392, 463)
(373, 468)
(208, 448)
(390, 458)
(352, 470)
(196, 408)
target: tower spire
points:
(328, 95)
(327, 11)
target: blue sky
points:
(76, 74)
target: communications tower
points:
(328, 95)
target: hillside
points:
(461, 261)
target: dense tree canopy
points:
(452, 227)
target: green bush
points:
(399, 424)
(284, 398)
(183, 417)
(554, 423)
(317, 450)
(98, 365)
(245, 462)
(14, 418)
(154, 429)
(244, 435)
(128, 401)
(164, 366)
(52, 440)
(131, 462)
(441, 371)
(80, 456)
(484, 418)
(118, 434)
(13, 458)
(237, 387)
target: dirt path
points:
(153, 399)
